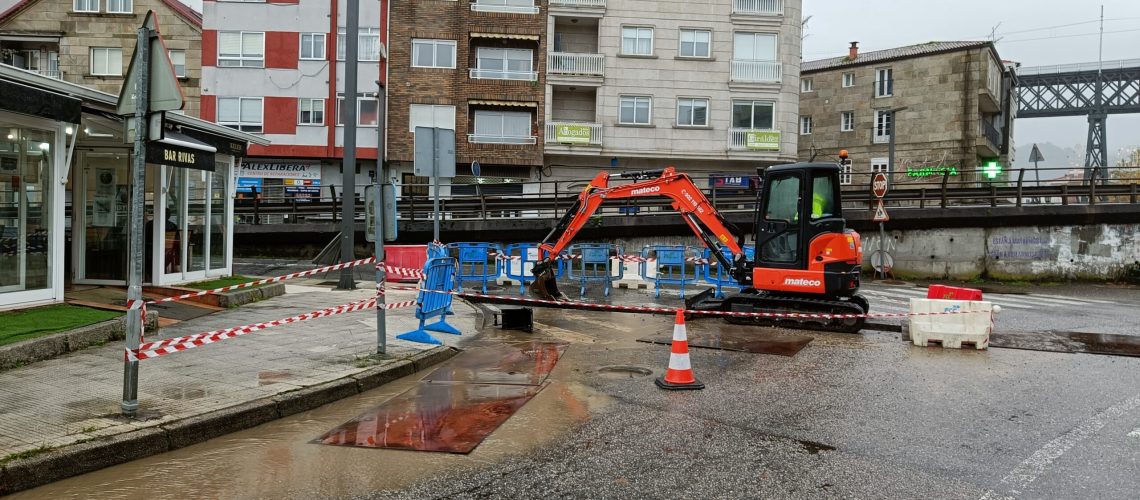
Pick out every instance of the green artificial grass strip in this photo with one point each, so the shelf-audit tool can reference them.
(16, 326)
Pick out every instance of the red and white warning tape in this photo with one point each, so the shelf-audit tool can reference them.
(310, 272)
(621, 258)
(404, 272)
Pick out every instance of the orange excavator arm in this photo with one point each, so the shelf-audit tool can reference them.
(687, 198)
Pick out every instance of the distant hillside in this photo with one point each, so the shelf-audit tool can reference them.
(1056, 157)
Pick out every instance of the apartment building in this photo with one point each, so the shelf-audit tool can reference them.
(91, 42)
(476, 67)
(708, 86)
(276, 68)
(949, 106)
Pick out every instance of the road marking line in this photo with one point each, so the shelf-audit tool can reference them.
(1095, 301)
(1034, 466)
(1134, 434)
(1033, 299)
(1003, 303)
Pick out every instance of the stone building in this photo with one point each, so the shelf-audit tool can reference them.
(948, 102)
(91, 42)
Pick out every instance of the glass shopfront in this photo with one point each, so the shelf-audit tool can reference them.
(29, 152)
(196, 218)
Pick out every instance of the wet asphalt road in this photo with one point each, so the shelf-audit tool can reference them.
(862, 416)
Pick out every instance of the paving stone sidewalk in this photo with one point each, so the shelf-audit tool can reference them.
(76, 397)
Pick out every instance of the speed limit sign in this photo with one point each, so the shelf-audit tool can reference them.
(879, 185)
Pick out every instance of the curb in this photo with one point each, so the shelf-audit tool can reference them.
(99, 453)
(57, 344)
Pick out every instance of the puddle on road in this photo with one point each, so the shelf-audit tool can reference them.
(1069, 342)
(623, 372)
(757, 342)
(527, 363)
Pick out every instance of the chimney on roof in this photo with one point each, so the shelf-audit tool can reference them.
(853, 52)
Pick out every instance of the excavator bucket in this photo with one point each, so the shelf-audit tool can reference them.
(545, 286)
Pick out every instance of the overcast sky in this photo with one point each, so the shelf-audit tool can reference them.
(1032, 32)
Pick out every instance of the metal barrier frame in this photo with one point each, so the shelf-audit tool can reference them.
(434, 299)
(465, 253)
(659, 263)
(578, 269)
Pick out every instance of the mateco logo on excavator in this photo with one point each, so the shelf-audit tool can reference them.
(645, 190)
(801, 282)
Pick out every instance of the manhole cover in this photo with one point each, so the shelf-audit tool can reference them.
(623, 372)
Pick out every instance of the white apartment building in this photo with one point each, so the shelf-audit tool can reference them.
(708, 86)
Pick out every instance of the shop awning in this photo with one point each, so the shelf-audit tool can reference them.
(27, 100)
(508, 36)
(490, 102)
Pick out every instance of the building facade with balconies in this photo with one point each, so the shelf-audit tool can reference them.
(277, 68)
(477, 67)
(709, 86)
(91, 42)
(951, 105)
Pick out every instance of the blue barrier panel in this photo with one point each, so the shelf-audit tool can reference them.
(478, 262)
(437, 250)
(523, 256)
(715, 275)
(670, 266)
(593, 263)
(434, 299)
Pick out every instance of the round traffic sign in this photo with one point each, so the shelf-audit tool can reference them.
(476, 169)
(879, 185)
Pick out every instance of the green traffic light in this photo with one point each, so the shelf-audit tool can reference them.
(992, 169)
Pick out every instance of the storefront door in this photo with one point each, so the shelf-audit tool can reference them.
(196, 219)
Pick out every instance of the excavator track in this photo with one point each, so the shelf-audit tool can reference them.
(752, 301)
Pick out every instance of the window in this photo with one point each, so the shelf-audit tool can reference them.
(884, 121)
(178, 60)
(692, 112)
(241, 49)
(847, 121)
(515, 6)
(783, 204)
(311, 112)
(845, 175)
(884, 82)
(637, 41)
(431, 115)
(367, 110)
(695, 43)
(502, 127)
(805, 125)
(880, 165)
(822, 197)
(504, 64)
(433, 54)
(241, 113)
(119, 6)
(86, 5)
(754, 115)
(106, 61)
(807, 85)
(635, 110)
(754, 47)
(368, 48)
(312, 46)
(848, 80)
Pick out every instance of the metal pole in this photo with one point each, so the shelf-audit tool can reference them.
(348, 166)
(435, 182)
(135, 263)
(882, 253)
(1037, 173)
(378, 214)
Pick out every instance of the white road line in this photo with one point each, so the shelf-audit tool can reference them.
(1134, 434)
(1033, 467)
(1003, 303)
(1034, 299)
(1094, 301)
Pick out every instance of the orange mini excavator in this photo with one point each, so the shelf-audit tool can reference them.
(807, 261)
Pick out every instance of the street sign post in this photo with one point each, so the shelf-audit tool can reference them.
(879, 186)
(1035, 156)
(435, 157)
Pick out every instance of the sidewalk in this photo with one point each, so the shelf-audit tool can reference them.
(70, 405)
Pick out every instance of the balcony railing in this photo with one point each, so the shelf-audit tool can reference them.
(755, 71)
(738, 139)
(578, 3)
(50, 73)
(583, 133)
(992, 134)
(565, 63)
(500, 74)
(758, 7)
(501, 139)
(510, 6)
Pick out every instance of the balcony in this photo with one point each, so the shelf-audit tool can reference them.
(989, 139)
(748, 139)
(502, 74)
(508, 6)
(572, 68)
(588, 4)
(501, 139)
(756, 71)
(758, 7)
(573, 133)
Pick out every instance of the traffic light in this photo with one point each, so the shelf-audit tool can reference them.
(992, 169)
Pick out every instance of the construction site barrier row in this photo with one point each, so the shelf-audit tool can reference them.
(310, 272)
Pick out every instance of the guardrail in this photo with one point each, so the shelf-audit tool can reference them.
(758, 7)
(575, 64)
(554, 198)
(756, 71)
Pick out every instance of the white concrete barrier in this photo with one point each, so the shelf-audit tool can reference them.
(973, 326)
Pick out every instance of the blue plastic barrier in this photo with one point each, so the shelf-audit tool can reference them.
(478, 262)
(519, 269)
(670, 265)
(434, 299)
(592, 263)
(715, 275)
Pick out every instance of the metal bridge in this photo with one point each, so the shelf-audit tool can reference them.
(1095, 90)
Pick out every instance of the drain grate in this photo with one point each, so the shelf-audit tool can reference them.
(620, 372)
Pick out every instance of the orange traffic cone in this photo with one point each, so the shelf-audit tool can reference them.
(679, 376)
